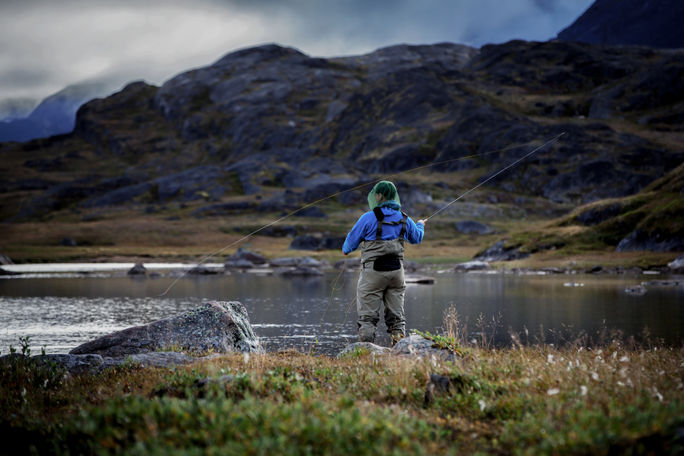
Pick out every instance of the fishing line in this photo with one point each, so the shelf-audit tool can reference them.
(290, 214)
(494, 175)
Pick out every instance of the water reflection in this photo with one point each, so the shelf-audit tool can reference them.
(309, 314)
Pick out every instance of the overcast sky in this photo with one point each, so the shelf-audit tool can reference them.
(46, 45)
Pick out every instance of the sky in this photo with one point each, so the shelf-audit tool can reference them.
(46, 45)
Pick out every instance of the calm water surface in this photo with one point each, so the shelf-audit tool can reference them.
(61, 311)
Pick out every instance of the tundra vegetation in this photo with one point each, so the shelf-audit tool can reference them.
(604, 396)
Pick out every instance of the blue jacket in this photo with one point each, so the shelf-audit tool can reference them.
(366, 227)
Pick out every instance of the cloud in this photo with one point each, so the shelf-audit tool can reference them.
(47, 45)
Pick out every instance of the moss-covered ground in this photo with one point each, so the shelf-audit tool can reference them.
(614, 398)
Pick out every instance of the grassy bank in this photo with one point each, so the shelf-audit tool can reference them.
(153, 239)
(522, 400)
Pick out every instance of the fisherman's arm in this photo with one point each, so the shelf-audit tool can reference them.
(355, 236)
(415, 231)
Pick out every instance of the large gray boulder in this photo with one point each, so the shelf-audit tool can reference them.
(75, 364)
(217, 326)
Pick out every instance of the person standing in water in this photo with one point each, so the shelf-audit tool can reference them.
(381, 233)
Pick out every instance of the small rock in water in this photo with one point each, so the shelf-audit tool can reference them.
(238, 264)
(245, 255)
(636, 290)
(300, 271)
(138, 269)
(663, 283)
(473, 266)
(202, 270)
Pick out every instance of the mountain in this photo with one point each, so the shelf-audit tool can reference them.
(54, 115)
(268, 129)
(654, 23)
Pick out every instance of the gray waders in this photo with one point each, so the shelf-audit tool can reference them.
(382, 282)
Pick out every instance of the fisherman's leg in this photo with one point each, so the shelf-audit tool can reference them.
(394, 305)
(369, 303)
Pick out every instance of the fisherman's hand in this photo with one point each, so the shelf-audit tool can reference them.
(422, 222)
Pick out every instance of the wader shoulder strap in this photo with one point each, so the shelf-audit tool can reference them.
(379, 216)
(403, 226)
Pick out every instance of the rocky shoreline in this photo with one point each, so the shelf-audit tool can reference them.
(208, 331)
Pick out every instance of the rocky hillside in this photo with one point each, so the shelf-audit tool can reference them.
(655, 23)
(268, 129)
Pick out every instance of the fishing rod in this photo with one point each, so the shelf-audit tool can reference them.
(429, 165)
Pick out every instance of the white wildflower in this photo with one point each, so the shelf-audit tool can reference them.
(569, 366)
(624, 359)
(245, 357)
(614, 355)
(594, 376)
(629, 382)
(526, 381)
(482, 405)
(600, 351)
(619, 383)
(583, 390)
(580, 349)
(662, 372)
(623, 372)
(658, 395)
(549, 359)
(553, 391)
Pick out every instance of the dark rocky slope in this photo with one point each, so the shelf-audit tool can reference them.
(269, 128)
(656, 23)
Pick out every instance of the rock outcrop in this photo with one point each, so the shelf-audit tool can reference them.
(499, 251)
(416, 345)
(215, 326)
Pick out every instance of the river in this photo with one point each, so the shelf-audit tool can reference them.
(62, 308)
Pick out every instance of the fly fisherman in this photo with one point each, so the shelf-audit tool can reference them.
(381, 233)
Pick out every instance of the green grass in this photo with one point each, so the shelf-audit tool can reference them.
(612, 399)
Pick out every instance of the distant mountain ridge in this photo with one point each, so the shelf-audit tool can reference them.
(54, 115)
(654, 23)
